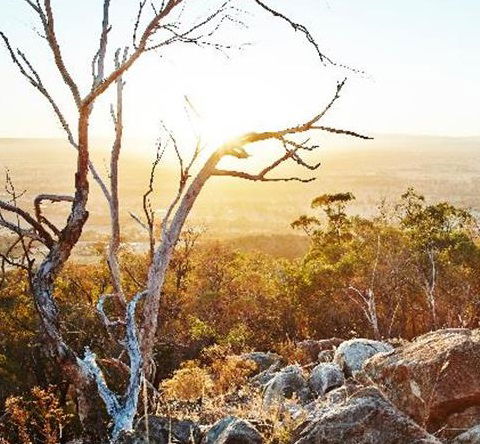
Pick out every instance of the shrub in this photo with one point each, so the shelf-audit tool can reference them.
(190, 383)
(36, 417)
(292, 353)
(231, 373)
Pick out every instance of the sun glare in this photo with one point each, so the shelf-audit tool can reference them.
(205, 199)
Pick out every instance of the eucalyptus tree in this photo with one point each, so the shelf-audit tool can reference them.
(157, 24)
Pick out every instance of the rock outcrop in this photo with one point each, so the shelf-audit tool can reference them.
(365, 418)
(232, 430)
(351, 355)
(471, 436)
(341, 394)
(426, 391)
(285, 384)
(311, 348)
(262, 379)
(325, 377)
(163, 431)
(262, 360)
(460, 422)
(432, 378)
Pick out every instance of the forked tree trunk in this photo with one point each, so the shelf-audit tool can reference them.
(43, 285)
(163, 256)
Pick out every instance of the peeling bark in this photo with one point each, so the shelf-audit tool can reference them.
(121, 409)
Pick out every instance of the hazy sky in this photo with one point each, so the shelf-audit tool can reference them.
(421, 57)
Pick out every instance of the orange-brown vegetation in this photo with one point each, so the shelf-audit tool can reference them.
(416, 263)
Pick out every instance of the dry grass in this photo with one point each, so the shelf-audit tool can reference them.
(208, 394)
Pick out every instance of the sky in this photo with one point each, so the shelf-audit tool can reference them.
(420, 58)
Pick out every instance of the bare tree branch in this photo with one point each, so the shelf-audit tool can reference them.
(297, 27)
(138, 220)
(98, 63)
(48, 22)
(25, 239)
(259, 177)
(113, 200)
(329, 129)
(302, 29)
(38, 210)
(137, 22)
(21, 232)
(41, 234)
(146, 202)
(35, 80)
(221, 13)
(149, 31)
(184, 176)
(101, 311)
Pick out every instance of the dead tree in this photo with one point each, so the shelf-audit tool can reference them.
(157, 26)
(161, 29)
(430, 284)
(365, 299)
(178, 212)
